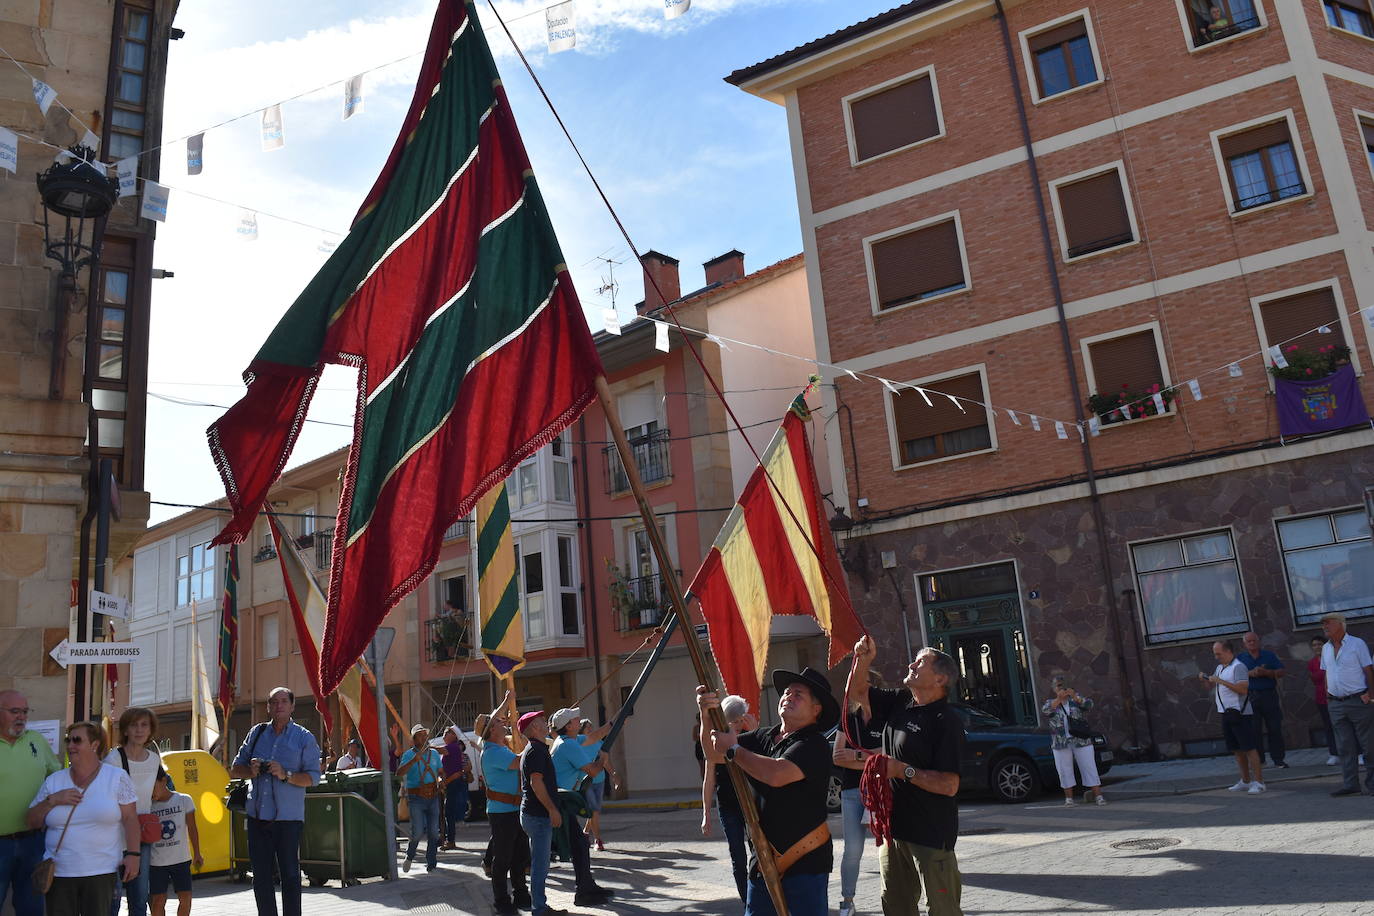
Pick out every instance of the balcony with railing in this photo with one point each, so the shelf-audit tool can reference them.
(324, 548)
(448, 638)
(458, 530)
(651, 458)
(639, 603)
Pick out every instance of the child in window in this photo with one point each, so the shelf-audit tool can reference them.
(179, 847)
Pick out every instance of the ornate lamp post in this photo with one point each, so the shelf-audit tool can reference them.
(77, 190)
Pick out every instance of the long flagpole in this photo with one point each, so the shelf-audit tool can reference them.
(762, 848)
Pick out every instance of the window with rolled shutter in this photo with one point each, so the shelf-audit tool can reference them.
(1063, 58)
(1261, 165)
(1094, 214)
(1350, 15)
(918, 264)
(940, 430)
(1130, 362)
(1367, 130)
(1294, 320)
(893, 118)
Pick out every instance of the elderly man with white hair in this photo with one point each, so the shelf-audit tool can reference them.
(716, 785)
(1349, 693)
(26, 760)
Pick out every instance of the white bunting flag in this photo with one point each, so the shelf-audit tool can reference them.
(1060, 431)
(611, 321)
(1234, 370)
(1276, 354)
(248, 226)
(155, 198)
(273, 128)
(922, 392)
(44, 95)
(889, 386)
(850, 373)
(661, 337)
(1014, 418)
(1160, 406)
(1079, 427)
(195, 154)
(127, 172)
(1095, 425)
(1196, 389)
(718, 342)
(1323, 330)
(562, 29)
(955, 401)
(1035, 423)
(91, 141)
(353, 96)
(675, 8)
(1121, 414)
(9, 151)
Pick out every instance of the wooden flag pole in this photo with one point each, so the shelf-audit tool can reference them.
(743, 791)
(517, 740)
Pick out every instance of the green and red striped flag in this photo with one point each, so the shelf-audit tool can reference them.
(451, 297)
(229, 632)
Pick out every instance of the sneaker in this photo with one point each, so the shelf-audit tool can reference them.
(1332, 760)
(429, 869)
(1282, 764)
(405, 866)
(600, 846)
(847, 908)
(1101, 800)
(1256, 788)
(1241, 786)
(1069, 803)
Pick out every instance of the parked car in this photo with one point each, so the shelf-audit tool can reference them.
(1012, 762)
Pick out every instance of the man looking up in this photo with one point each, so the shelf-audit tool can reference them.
(923, 739)
(26, 760)
(788, 766)
(570, 761)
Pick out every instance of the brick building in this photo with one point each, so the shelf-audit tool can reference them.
(107, 63)
(1029, 204)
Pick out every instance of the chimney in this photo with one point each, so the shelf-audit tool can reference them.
(661, 270)
(725, 267)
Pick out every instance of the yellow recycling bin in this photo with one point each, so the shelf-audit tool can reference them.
(202, 777)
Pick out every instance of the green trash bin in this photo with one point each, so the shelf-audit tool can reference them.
(238, 836)
(344, 837)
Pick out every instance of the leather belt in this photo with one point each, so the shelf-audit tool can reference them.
(17, 836)
(809, 843)
(503, 797)
(1348, 696)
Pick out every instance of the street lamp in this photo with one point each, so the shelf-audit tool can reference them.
(76, 189)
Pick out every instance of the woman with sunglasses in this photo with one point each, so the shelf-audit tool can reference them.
(92, 831)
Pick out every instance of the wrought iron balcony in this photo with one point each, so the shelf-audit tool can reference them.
(324, 548)
(651, 457)
(448, 638)
(639, 603)
(457, 530)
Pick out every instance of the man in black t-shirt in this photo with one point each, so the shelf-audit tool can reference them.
(788, 766)
(924, 740)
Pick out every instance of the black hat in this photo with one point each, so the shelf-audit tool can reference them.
(816, 682)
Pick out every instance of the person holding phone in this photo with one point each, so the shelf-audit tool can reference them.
(1230, 685)
(92, 832)
(1068, 748)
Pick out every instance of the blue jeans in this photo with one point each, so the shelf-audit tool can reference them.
(732, 823)
(18, 858)
(275, 844)
(137, 890)
(455, 808)
(424, 819)
(540, 832)
(855, 835)
(805, 896)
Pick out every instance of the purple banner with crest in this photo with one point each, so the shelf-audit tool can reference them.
(1320, 405)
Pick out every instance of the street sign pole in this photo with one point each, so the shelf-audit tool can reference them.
(376, 659)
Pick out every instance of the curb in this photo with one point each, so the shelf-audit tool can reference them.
(651, 805)
(1193, 790)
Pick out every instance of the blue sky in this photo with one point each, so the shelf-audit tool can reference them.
(694, 166)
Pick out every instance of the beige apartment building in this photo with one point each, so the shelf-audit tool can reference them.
(61, 386)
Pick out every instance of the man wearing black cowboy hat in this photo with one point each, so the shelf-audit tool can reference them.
(789, 768)
(923, 741)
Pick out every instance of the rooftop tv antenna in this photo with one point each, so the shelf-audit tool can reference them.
(609, 286)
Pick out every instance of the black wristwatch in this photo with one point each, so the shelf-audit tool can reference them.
(128, 853)
(730, 753)
(909, 774)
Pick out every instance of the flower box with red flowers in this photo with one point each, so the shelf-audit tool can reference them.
(1306, 364)
(1127, 404)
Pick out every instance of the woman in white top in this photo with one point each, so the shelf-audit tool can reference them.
(136, 756)
(91, 828)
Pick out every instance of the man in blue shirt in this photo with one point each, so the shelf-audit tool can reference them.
(570, 760)
(510, 848)
(422, 769)
(1265, 670)
(281, 759)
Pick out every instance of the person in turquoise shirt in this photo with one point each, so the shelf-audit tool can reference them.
(510, 848)
(570, 761)
(26, 759)
(596, 792)
(423, 769)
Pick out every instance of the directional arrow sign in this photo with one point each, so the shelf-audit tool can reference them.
(95, 653)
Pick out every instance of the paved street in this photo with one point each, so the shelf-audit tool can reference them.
(1292, 850)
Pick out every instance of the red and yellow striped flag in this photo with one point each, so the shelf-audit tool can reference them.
(761, 564)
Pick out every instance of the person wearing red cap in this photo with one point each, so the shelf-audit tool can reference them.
(788, 766)
(539, 813)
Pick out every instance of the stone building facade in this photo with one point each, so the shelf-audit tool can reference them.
(1033, 207)
(107, 62)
